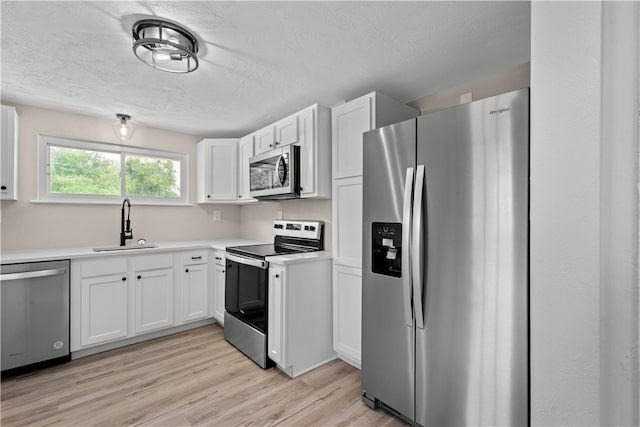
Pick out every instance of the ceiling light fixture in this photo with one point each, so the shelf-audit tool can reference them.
(123, 129)
(165, 46)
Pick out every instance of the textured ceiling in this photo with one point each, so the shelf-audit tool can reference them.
(259, 61)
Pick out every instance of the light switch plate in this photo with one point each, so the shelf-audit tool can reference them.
(216, 215)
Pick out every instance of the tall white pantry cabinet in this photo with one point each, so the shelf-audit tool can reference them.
(349, 121)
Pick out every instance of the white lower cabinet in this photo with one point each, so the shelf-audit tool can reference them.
(276, 316)
(347, 313)
(104, 307)
(299, 335)
(153, 300)
(195, 286)
(119, 298)
(217, 302)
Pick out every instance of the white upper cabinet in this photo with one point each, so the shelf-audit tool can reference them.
(315, 152)
(245, 152)
(217, 170)
(351, 119)
(223, 164)
(286, 131)
(348, 122)
(281, 133)
(9, 154)
(310, 129)
(264, 139)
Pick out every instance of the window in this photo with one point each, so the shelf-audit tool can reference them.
(81, 171)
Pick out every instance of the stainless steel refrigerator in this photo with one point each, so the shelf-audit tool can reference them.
(445, 320)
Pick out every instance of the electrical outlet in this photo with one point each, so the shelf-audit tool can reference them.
(216, 215)
(279, 215)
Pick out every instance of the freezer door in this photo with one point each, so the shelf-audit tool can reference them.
(472, 355)
(387, 326)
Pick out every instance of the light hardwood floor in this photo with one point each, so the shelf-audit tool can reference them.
(187, 379)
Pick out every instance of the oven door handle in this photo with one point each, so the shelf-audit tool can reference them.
(248, 261)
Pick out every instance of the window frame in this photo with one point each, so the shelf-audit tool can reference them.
(44, 181)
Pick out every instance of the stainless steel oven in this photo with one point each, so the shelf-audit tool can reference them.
(275, 174)
(247, 284)
(245, 317)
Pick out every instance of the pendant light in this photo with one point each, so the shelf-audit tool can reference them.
(122, 129)
(165, 46)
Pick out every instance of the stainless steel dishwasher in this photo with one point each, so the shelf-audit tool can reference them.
(35, 315)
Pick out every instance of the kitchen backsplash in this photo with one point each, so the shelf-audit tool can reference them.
(256, 220)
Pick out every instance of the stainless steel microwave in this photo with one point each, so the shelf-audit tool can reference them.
(275, 174)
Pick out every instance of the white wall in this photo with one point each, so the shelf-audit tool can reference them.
(619, 393)
(28, 225)
(35, 225)
(257, 219)
(584, 312)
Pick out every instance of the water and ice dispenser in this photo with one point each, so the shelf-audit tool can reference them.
(386, 248)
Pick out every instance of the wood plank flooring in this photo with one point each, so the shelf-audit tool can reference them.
(188, 379)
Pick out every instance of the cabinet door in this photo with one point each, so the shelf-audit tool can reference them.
(194, 292)
(8, 153)
(286, 131)
(103, 308)
(154, 299)
(245, 152)
(265, 139)
(347, 312)
(347, 223)
(217, 170)
(348, 122)
(218, 304)
(276, 336)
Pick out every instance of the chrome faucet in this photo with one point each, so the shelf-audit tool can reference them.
(125, 226)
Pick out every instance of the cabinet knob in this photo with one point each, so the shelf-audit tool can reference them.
(277, 276)
(224, 271)
(4, 187)
(124, 279)
(139, 277)
(186, 270)
(208, 196)
(271, 145)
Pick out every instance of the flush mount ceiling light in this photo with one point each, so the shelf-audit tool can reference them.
(165, 46)
(123, 129)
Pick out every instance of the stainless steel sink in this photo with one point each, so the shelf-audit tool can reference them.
(124, 248)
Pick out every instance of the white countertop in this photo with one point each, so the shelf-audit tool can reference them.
(33, 255)
(52, 254)
(303, 257)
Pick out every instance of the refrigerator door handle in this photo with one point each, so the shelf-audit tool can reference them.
(406, 244)
(417, 245)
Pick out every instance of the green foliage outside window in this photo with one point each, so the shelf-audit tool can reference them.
(85, 172)
(149, 177)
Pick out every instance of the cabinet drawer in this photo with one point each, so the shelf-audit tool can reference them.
(103, 267)
(219, 258)
(196, 257)
(153, 262)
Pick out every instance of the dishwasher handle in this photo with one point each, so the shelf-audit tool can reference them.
(33, 274)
